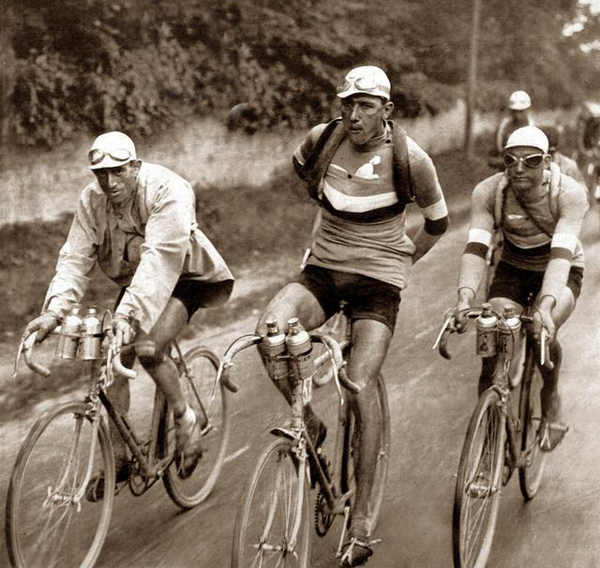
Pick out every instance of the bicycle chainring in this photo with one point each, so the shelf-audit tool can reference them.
(323, 520)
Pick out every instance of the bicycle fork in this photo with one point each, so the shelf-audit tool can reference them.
(62, 494)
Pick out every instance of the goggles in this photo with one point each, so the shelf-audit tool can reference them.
(96, 155)
(531, 161)
(364, 84)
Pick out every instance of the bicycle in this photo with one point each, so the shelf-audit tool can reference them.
(49, 521)
(499, 439)
(272, 522)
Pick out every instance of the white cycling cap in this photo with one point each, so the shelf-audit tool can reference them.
(530, 136)
(519, 100)
(111, 150)
(368, 80)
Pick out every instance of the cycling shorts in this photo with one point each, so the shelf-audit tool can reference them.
(523, 286)
(195, 295)
(365, 297)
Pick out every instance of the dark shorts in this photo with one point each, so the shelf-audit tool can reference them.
(523, 286)
(365, 297)
(195, 295)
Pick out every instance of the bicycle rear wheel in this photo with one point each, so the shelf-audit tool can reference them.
(197, 388)
(530, 413)
(478, 484)
(272, 527)
(48, 520)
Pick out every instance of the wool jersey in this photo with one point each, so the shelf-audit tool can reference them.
(362, 229)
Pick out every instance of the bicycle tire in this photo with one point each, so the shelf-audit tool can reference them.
(56, 533)
(530, 414)
(260, 524)
(190, 492)
(479, 481)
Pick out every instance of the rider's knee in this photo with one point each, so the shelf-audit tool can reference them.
(148, 353)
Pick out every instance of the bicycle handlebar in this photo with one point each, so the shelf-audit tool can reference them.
(441, 342)
(334, 351)
(113, 362)
(226, 363)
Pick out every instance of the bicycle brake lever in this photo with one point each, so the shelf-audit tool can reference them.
(441, 333)
(18, 358)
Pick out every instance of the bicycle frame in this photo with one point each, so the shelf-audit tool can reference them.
(144, 452)
(501, 383)
(330, 484)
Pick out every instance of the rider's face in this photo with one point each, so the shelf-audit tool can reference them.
(522, 177)
(363, 117)
(118, 184)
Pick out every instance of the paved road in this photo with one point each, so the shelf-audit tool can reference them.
(430, 402)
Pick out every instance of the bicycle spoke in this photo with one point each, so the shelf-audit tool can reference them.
(478, 484)
(48, 524)
(267, 533)
(197, 383)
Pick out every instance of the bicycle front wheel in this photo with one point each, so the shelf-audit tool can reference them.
(272, 527)
(198, 386)
(478, 484)
(48, 520)
(530, 413)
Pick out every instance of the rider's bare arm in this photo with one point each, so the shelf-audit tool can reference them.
(481, 227)
(430, 198)
(572, 204)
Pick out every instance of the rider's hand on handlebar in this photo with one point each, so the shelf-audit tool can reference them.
(124, 331)
(42, 326)
(459, 315)
(542, 318)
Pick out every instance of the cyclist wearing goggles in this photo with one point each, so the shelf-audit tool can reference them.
(361, 252)
(540, 212)
(519, 108)
(137, 221)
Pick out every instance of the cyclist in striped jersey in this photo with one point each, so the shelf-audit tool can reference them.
(540, 212)
(362, 170)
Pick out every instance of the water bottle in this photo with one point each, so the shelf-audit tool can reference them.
(486, 324)
(299, 346)
(273, 346)
(69, 339)
(91, 339)
(509, 328)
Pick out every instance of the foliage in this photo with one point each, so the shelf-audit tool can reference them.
(135, 65)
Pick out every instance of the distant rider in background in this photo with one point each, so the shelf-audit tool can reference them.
(519, 108)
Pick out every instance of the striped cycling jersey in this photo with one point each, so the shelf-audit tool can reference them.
(363, 226)
(526, 245)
